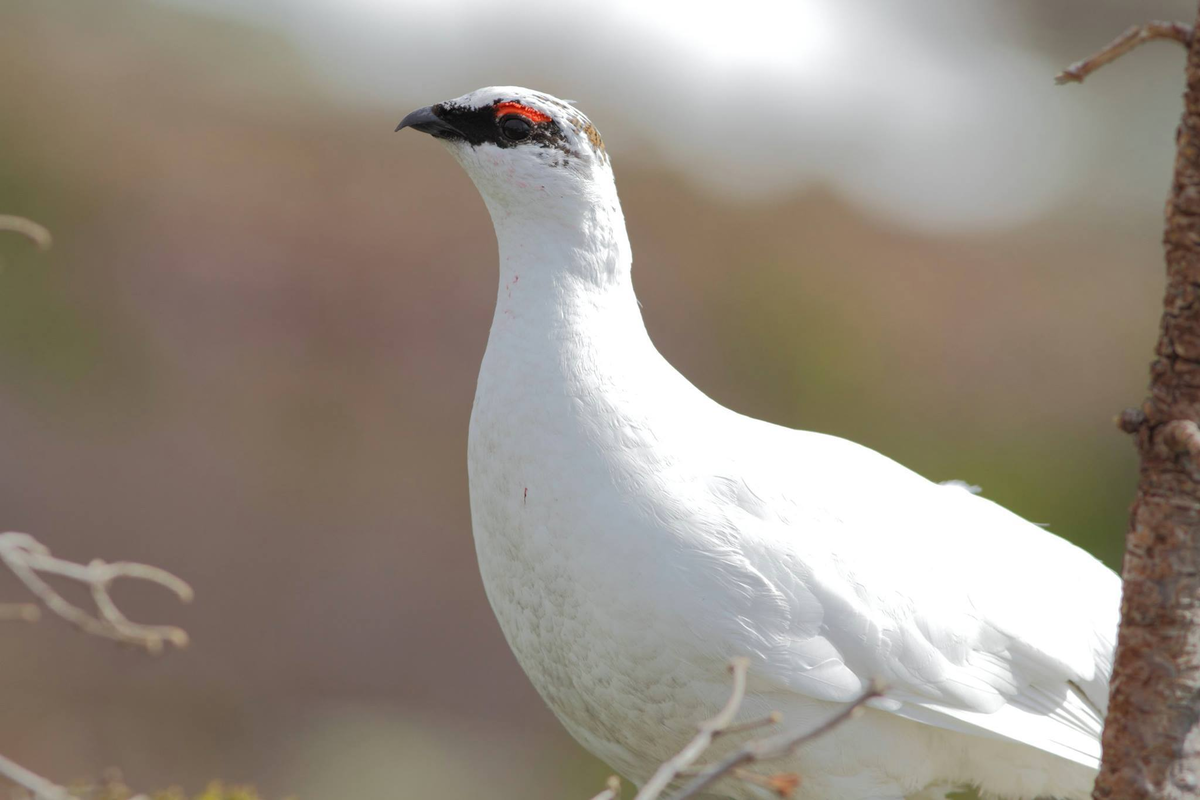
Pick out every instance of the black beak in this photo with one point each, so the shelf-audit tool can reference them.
(426, 120)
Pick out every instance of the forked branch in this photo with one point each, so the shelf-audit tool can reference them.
(29, 560)
(779, 745)
(776, 746)
(1135, 36)
(709, 730)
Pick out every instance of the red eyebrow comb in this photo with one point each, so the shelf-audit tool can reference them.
(531, 114)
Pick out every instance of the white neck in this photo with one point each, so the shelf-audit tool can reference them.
(563, 256)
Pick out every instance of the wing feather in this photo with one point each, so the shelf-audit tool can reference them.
(978, 620)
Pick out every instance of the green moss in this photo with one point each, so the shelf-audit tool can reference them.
(115, 788)
(214, 791)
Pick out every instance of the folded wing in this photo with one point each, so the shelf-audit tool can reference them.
(977, 620)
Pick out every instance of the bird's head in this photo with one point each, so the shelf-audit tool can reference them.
(521, 148)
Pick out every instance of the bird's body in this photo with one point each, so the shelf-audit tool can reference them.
(633, 535)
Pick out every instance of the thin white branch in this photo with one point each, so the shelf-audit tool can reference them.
(28, 559)
(612, 791)
(27, 228)
(35, 784)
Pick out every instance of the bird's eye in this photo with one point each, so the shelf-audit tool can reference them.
(515, 127)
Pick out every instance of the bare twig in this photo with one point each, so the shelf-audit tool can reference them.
(28, 559)
(35, 787)
(1135, 36)
(35, 784)
(709, 729)
(28, 228)
(612, 791)
(780, 745)
(774, 718)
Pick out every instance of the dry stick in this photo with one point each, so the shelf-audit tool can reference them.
(35, 784)
(774, 718)
(28, 228)
(42, 789)
(28, 559)
(613, 790)
(777, 746)
(772, 747)
(1137, 35)
(709, 730)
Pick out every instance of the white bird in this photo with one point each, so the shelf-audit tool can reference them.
(633, 535)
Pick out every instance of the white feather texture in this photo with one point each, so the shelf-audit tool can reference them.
(633, 535)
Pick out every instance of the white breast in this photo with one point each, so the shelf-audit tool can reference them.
(568, 554)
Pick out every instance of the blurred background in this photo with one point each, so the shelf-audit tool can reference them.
(250, 355)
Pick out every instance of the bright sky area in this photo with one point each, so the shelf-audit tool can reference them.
(936, 115)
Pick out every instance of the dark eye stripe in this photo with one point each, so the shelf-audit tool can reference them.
(490, 125)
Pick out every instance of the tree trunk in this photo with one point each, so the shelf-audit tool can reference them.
(1152, 736)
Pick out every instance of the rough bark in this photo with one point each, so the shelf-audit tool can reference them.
(1152, 736)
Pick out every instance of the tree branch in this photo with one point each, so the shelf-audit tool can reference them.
(612, 791)
(780, 745)
(35, 784)
(28, 559)
(709, 730)
(27, 228)
(1134, 37)
(1154, 702)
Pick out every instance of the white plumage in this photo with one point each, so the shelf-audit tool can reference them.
(633, 535)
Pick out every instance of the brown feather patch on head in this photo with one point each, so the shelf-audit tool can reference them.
(594, 137)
